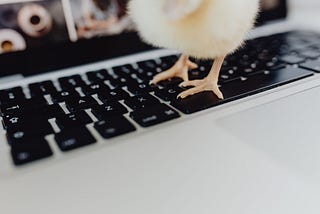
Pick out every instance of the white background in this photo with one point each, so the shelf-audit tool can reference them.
(305, 11)
(303, 3)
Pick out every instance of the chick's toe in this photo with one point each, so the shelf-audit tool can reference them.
(180, 69)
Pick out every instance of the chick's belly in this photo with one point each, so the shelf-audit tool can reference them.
(209, 49)
(201, 37)
(197, 40)
(197, 43)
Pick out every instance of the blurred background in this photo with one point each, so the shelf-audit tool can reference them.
(308, 12)
(312, 5)
(305, 3)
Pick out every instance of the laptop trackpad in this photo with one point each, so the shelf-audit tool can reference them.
(287, 130)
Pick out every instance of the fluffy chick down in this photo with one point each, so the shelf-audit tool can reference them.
(215, 29)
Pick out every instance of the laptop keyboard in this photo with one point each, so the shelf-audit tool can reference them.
(117, 100)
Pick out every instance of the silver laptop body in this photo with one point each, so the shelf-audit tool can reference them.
(258, 154)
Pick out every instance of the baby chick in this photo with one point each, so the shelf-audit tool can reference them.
(204, 29)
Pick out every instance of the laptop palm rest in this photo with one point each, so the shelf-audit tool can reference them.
(286, 130)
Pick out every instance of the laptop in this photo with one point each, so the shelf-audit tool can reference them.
(84, 132)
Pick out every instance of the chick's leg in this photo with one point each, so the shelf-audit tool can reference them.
(180, 69)
(210, 83)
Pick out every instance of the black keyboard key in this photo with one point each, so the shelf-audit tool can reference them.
(22, 120)
(95, 88)
(43, 111)
(263, 56)
(34, 102)
(116, 94)
(197, 102)
(233, 73)
(75, 119)
(32, 114)
(312, 54)
(23, 105)
(155, 115)
(10, 107)
(42, 88)
(148, 69)
(298, 44)
(124, 70)
(164, 66)
(150, 65)
(203, 65)
(61, 96)
(275, 65)
(48, 87)
(118, 81)
(312, 65)
(239, 89)
(197, 74)
(98, 76)
(109, 109)
(11, 95)
(71, 82)
(81, 103)
(168, 94)
(131, 82)
(74, 138)
(140, 88)
(170, 59)
(114, 127)
(292, 59)
(36, 90)
(27, 131)
(171, 82)
(141, 101)
(52, 111)
(11, 120)
(29, 151)
(145, 75)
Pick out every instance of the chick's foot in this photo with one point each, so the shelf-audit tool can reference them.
(210, 83)
(180, 69)
(206, 84)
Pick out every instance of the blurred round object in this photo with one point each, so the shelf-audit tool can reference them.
(11, 40)
(35, 20)
(8, 17)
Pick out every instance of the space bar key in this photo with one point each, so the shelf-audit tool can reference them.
(239, 89)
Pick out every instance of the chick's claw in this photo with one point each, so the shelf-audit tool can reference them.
(191, 83)
(169, 74)
(200, 86)
(192, 65)
(180, 69)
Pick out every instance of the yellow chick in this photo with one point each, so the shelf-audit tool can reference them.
(204, 29)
